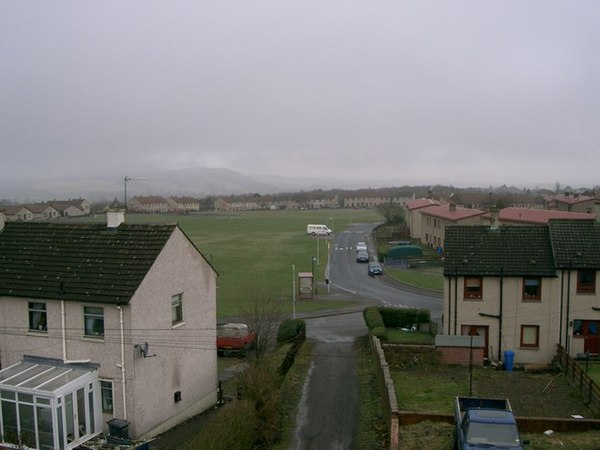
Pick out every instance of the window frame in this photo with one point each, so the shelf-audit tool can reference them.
(527, 297)
(472, 295)
(523, 344)
(177, 309)
(41, 325)
(586, 288)
(96, 317)
(107, 395)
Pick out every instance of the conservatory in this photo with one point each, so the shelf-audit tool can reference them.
(46, 404)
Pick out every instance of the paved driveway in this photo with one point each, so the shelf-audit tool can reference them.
(328, 412)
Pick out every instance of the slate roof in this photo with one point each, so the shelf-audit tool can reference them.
(79, 262)
(576, 243)
(481, 251)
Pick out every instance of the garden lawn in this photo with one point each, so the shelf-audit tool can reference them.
(433, 280)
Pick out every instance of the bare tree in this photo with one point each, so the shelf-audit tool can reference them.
(264, 316)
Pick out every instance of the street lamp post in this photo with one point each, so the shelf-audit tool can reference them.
(313, 274)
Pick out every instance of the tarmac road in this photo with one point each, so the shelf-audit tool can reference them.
(327, 417)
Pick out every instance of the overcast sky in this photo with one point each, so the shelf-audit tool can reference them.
(425, 92)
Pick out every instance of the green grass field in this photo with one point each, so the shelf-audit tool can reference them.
(254, 251)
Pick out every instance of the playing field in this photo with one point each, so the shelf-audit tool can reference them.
(255, 252)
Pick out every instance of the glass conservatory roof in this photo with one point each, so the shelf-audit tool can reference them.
(41, 377)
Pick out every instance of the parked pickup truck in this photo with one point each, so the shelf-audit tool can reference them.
(485, 423)
(234, 338)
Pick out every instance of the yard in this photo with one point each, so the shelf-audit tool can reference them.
(425, 385)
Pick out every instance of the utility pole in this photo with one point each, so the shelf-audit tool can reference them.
(125, 181)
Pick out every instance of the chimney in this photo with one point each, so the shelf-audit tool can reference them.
(452, 206)
(597, 211)
(115, 217)
(2, 220)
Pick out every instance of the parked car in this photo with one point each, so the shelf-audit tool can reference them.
(375, 269)
(234, 338)
(362, 256)
(361, 246)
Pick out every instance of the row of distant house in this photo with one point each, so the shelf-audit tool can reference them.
(427, 219)
(47, 210)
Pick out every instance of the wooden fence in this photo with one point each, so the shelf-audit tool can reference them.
(588, 388)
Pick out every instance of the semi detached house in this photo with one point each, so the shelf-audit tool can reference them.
(102, 325)
(525, 289)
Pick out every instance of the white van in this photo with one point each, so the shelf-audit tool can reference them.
(318, 230)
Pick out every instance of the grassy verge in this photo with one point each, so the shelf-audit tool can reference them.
(433, 281)
(372, 429)
(395, 336)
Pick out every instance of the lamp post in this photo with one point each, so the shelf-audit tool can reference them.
(313, 274)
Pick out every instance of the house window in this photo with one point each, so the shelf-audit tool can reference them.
(530, 336)
(532, 288)
(93, 321)
(473, 288)
(177, 309)
(38, 317)
(586, 281)
(106, 391)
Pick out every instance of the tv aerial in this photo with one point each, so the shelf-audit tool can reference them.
(125, 181)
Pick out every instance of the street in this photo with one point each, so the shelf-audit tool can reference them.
(327, 416)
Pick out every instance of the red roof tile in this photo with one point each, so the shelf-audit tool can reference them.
(447, 213)
(541, 216)
(420, 203)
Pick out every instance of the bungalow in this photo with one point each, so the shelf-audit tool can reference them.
(42, 211)
(71, 208)
(103, 324)
(524, 288)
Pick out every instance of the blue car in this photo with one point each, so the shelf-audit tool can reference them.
(375, 269)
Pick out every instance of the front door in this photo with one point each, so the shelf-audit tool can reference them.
(477, 330)
(589, 330)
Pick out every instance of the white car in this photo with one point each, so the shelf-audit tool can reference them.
(361, 247)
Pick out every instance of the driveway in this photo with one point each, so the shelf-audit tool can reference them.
(327, 417)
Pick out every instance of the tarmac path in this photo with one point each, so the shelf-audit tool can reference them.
(327, 416)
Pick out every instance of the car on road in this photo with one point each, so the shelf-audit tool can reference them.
(361, 246)
(375, 269)
(362, 256)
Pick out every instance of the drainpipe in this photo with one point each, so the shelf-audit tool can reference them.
(567, 343)
(449, 302)
(455, 302)
(63, 322)
(122, 365)
(562, 297)
(500, 314)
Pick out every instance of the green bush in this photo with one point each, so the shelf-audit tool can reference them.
(404, 317)
(373, 318)
(289, 329)
(380, 332)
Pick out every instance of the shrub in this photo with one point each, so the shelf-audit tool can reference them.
(373, 318)
(380, 332)
(289, 329)
(404, 317)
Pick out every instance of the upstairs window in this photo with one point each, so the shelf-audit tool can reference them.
(38, 319)
(586, 281)
(532, 288)
(177, 309)
(473, 288)
(93, 319)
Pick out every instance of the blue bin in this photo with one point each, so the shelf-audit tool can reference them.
(509, 357)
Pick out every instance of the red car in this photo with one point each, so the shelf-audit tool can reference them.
(234, 338)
